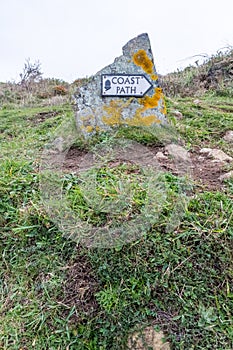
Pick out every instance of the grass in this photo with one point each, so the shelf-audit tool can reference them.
(213, 75)
(57, 294)
(204, 122)
(24, 130)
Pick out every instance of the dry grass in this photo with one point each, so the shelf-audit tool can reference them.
(215, 75)
(43, 92)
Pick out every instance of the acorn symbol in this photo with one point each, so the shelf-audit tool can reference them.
(107, 85)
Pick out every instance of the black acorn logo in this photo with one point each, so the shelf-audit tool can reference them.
(107, 85)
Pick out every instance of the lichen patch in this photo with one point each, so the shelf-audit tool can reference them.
(141, 59)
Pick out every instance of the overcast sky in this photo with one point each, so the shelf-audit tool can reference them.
(76, 38)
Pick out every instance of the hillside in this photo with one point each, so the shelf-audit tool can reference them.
(169, 288)
(214, 76)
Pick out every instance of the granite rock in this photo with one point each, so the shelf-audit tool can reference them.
(180, 157)
(96, 113)
(228, 136)
(226, 176)
(177, 152)
(216, 154)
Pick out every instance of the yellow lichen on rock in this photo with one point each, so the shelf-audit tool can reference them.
(141, 59)
(114, 112)
(152, 101)
(154, 76)
(89, 128)
(87, 118)
(163, 110)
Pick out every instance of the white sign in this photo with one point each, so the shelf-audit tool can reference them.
(125, 85)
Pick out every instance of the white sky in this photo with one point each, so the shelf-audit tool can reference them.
(76, 38)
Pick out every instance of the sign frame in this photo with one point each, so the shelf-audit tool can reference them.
(125, 75)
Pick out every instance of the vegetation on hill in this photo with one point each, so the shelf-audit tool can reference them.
(57, 293)
(214, 76)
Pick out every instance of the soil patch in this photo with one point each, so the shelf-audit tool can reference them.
(79, 288)
(73, 159)
(204, 171)
(42, 116)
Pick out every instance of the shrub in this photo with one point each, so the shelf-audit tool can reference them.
(60, 90)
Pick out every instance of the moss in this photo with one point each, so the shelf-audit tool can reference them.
(141, 59)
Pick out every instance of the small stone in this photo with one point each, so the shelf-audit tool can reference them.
(148, 338)
(228, 136)
(197, 102)
(218, 161)
(181, 158)
(58, 144)
(161, 156)
(226, 176)
(178, 114)
(205, 150)
(216, 154)
(177, 152)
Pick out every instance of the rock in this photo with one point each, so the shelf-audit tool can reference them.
(205, 150)
(177, 152)
(160, 156)
(148, 338)
(216, 154)
(178, 114)
(226, 176)
(228, 136)
(218, 161)
(181, 158)
(58, 144)
(197, 102)
(97, 113)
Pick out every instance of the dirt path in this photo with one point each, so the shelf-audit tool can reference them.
(204, 171)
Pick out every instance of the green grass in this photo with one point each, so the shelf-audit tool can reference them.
(24, 133)
(55, 294)
(205, 122)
